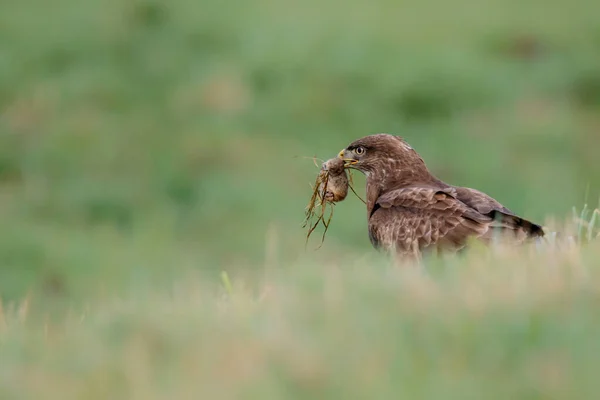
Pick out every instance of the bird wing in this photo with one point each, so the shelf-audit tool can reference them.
(503, 217)
(479, 201)
(416, 217)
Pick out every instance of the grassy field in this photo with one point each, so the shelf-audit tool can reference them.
(518, 325)
(147, 146)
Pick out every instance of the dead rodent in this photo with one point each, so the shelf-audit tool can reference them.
(334, 180)
(331, 186)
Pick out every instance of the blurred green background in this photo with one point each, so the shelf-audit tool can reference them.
(141, 137)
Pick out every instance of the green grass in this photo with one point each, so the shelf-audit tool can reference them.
(151, 145)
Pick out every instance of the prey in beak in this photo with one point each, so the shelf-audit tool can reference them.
(347, 161)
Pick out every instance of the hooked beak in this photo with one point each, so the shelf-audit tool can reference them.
(347, 161)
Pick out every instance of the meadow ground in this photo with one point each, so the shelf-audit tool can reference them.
(517, 324)
(147, 146)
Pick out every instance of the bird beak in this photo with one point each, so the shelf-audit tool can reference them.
(347, 161)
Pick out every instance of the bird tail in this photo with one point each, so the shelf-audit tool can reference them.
(517, 223)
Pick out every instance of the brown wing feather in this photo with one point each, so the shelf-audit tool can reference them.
(479, 201)
(418, 217)
(503, 217)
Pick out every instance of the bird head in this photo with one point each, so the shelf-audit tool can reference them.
(379, 152)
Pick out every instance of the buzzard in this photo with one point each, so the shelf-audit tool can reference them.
(411, 211)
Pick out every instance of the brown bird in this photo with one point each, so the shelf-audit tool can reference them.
(411, 211)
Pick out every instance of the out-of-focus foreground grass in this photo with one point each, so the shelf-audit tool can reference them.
(515, 325)
(144, 142)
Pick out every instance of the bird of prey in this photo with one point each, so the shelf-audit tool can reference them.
(411, 211)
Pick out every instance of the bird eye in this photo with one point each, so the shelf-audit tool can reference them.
(359, 150)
